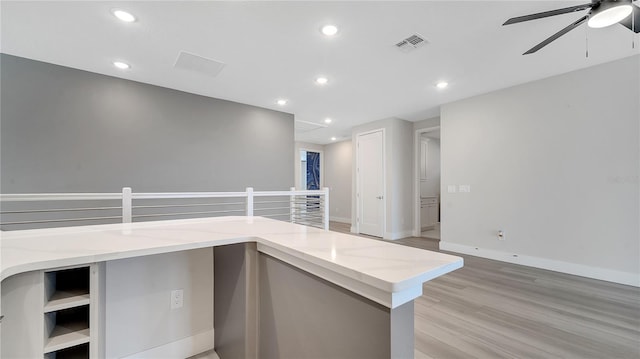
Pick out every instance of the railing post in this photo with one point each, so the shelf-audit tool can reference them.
(250, 201)
(326, 208)
(292, 205)
(126, 205)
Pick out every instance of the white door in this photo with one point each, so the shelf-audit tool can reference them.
(370, 177)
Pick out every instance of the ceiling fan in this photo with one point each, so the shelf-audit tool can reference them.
(602, 13)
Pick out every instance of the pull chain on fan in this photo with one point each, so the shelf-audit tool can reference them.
(586, 42)
(633, 29)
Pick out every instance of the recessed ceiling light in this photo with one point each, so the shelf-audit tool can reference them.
(329, 30)
(327, 120)
(121, 65)
(281, 102)
(442, 84)
(123, 15)
(321, 80)
(333, 138)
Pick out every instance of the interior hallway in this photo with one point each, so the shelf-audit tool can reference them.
(491, 309)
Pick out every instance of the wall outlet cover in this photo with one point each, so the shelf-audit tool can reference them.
(177, 298)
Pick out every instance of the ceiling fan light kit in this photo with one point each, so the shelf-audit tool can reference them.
(609, 13)
(602, 13)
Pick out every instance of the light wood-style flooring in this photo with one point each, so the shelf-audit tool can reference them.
(491, 309)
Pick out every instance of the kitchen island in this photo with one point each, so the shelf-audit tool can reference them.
(248, 287)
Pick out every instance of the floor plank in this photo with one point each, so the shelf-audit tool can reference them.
(491, 309)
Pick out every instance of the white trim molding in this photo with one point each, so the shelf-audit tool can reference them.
(183, 348)
(582, 270)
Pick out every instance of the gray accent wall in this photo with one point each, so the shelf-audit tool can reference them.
(67, 130)
(555, 164)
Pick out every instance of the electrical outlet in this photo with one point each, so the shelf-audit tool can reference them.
(177, 298)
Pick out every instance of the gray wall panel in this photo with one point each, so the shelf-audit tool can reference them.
(235, 297)
(302, 316)
(66, 130)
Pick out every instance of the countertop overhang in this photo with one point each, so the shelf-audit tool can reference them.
(387, 273)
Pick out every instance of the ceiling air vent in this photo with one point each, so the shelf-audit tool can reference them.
(306, 126)
(199, 64)
(411, 43)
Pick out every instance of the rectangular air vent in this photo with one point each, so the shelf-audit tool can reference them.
(411, 43)
(306, 126)
(198, 64)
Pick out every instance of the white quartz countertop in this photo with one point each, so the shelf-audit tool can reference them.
(363, 265)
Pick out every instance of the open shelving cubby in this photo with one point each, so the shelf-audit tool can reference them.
(67, 313)
(78, 352)
(66, 288)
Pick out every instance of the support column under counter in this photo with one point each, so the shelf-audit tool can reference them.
(266, 308)
(304, 316)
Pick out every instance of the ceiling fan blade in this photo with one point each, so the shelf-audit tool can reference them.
(557, 35)
(636, 22)
(541, 15)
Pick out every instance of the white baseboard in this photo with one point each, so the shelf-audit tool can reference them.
(582, 270)
(398, 235)
(340, 219)
(183, 348)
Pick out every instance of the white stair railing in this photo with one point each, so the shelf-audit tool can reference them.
(303, 207)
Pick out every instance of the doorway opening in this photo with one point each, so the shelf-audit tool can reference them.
(427, 183)
(310, 170)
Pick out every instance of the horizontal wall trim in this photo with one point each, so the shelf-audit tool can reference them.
(582, 270)
(183, 348)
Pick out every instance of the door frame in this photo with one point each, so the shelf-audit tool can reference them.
(384, 180)
(416, 178)
(299, 168)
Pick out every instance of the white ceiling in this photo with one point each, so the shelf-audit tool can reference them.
(275, 49)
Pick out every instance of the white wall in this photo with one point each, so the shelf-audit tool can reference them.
(399, 167)
(338, 170)
(555, 164)
(428, 123)
(138, 314)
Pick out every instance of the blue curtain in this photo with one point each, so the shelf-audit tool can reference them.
(313, 170)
